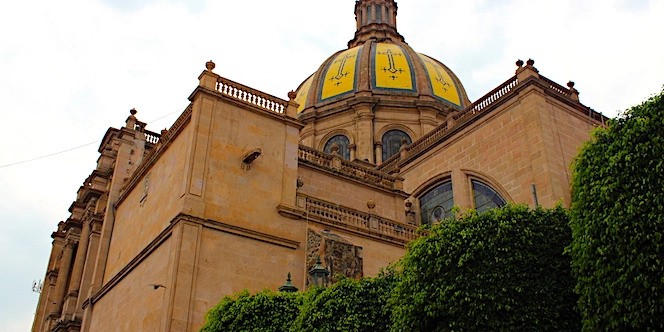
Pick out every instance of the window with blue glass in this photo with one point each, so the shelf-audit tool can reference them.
(342, 142)
(437, 203)
(392, 141)
(485, 197)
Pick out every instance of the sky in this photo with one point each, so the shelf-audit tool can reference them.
(71, 69)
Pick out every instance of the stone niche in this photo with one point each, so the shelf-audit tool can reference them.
(337, 254)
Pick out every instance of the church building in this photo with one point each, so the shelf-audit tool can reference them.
(245, 188)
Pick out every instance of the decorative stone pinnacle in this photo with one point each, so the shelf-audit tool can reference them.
(133, 111)
(210, 65)
(570, 85)
(530, 62)
(519, 63)
(292, 95)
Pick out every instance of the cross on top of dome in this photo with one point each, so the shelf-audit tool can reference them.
(376, 19)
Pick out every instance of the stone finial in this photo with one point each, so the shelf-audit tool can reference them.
(210, 65)
(164, 132)
(522, 73)
(573, 93)
(208, 79)
(131, 120)
(293, 106)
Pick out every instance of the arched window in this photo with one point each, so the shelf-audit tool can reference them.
(392, 141)
(379, 13)
(485, 197)
(437, 203)
(342, 142)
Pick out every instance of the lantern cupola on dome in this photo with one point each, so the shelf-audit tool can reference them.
(376, 19)
(380, 79)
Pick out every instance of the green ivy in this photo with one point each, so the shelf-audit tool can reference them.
(350, 306)
(265, 312)
(618, 222)
(503, 269)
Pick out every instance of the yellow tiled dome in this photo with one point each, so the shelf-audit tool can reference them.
(384, 69)
(380, 62)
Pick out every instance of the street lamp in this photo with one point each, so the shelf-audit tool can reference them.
(288, 287)
(319, 275)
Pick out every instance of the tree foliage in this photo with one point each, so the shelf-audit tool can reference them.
(266, 312)
(499, 270)
(350, 305)
(618, 222)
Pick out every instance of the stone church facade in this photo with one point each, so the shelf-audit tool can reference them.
(245, 187)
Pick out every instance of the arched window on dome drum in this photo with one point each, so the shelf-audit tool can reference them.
(437, 203)
(342, 142)
(392, 142)
(485, 197)
(379, 13)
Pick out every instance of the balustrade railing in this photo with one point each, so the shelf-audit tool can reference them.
(354, 219)
(314, 156)
(346, 167)
(251, 96)
(151, 137)
(488, 99)
(556, 87)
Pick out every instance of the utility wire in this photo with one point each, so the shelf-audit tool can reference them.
(71, 149)
(48, 155)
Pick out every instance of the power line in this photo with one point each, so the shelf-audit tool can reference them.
(48, 155)
(71, 149)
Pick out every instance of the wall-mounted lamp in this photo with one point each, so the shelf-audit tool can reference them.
(250, 157)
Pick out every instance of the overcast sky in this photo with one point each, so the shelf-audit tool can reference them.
(71, 69)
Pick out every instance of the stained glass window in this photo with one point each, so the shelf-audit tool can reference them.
(343, 143)
(485, 197)
(437, 203)
(392, 142)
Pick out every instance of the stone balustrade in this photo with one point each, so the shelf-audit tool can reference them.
(350, 169)
(251, 96)
(356, 220)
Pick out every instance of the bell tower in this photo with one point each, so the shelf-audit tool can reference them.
(376, 19)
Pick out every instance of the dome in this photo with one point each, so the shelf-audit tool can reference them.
(378, 63)
(384, 68)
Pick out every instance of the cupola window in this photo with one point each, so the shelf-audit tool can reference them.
(437, 203)
(342, 142)
(392, 141)
(485, 197)
(379, 13)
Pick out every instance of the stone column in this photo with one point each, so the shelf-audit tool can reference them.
(77, 272)
(379, 152)
(63, 276)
